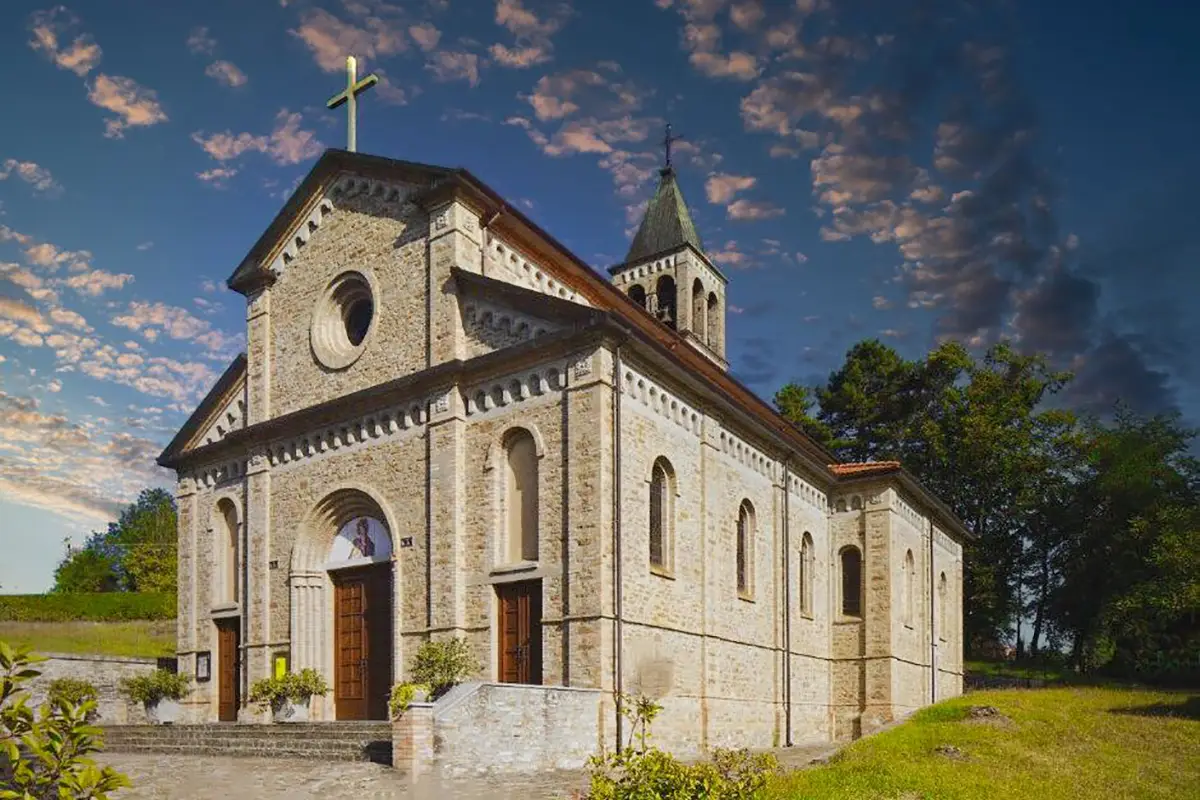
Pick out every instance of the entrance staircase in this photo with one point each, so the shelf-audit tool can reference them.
(325, 741)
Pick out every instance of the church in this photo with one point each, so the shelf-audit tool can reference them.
(446, 424)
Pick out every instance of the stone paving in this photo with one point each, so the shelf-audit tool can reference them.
(186, 777)
(179, 777)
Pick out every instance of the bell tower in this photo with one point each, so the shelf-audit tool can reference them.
(668, 273)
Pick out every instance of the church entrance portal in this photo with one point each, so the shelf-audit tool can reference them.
(362, 622)
(520, 632)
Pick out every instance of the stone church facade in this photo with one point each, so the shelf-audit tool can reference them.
(445, 424)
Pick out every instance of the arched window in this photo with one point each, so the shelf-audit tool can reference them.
(662, 514)
(908, 601)
(521, 496)
(665, 290)
(851, 582)
(943, 609)
(806, 575)
(698, 310)
(745, 548)
(714, 322)
(227, 551)
(638, 295)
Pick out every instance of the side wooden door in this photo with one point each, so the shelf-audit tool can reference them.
(521, 632)
(229, 661)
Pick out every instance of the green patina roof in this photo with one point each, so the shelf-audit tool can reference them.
(667, 223)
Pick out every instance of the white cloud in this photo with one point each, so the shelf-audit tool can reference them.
(225, 72)
(95, 282)
(80, 57)
(200, 43)
(370, 36)
(721, 187)
(134, 105)
(451, 65)
(287, 143)
(743, 209)
(426, 35)
(35, 175)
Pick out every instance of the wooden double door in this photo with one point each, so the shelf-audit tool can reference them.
(229, 668)
(362, 629)
(520, 632)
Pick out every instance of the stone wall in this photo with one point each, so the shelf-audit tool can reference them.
(103, 672)
(484, 728)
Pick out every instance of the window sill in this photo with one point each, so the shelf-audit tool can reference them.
(519, 566)
(807, 615)
(847, 619)
(662, 572)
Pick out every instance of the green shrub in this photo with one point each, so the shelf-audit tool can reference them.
(46, 754)
(294, 686)
(442, 665)
(403, 695)
(154, 686)
(72, 690)
(87, 607)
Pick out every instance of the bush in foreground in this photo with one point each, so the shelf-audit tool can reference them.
(44, 755)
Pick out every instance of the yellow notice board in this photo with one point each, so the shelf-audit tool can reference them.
(281, 664)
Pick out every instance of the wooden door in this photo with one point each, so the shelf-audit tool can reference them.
(363, 636)
(229, 662)
(520, 632)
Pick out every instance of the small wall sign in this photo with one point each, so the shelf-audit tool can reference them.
(281, 665)
(203, 666)
(406, 541)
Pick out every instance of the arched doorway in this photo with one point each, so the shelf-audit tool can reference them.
(342, 604)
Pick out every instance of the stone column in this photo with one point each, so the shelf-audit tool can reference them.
(258, 357)
(185, 617)
(412, 740)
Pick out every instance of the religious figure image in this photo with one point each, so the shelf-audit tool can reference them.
(362, 539)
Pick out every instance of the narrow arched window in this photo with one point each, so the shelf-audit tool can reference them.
(908, 601)
(662, 514)
(521, 497)
(943, 609)
(227, 550)
(851, 582)
(638, 295)
(714, 322)
(665, 293)
(698, 310)
(745, 548)
(806, 575)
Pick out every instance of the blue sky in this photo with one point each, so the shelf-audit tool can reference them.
(946, 169)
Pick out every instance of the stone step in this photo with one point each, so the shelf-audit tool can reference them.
(359, 741)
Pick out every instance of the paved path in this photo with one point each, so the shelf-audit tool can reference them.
(178, 777)
(173, 777)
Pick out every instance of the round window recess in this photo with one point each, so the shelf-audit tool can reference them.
(342, 320)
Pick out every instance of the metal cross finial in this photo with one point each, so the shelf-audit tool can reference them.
(667, 141)
(349, 96)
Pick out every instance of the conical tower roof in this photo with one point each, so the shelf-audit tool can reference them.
(667, 224)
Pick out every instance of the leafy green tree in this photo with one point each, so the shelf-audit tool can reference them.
(138, 552)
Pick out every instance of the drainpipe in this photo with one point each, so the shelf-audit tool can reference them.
(932, 616)
(616, 510)
(787, 612)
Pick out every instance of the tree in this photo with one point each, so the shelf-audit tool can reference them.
(138, 552)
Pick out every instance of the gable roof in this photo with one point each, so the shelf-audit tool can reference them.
(212, 402)
(667, 223)
(444, 185)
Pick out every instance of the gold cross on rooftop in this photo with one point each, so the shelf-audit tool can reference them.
(349, 96)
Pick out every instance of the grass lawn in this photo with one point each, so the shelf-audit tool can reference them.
(135, 638)
(1073, 743)
(1017, 669)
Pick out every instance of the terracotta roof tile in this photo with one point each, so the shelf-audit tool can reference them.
(863, 468)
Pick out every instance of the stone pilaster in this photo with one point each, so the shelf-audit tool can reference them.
(878, 612)
(447, 498)
(258, 357)
(454, 241)
(256, 613)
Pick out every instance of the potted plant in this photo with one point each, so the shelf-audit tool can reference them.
(288, 696)
(160, 692)
(405, 694)
(74, 692)
(437, 667)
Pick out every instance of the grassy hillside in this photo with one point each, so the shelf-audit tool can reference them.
(148, 638)
(1072, 743)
